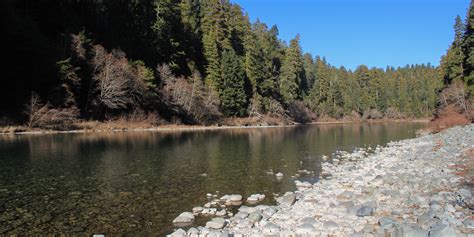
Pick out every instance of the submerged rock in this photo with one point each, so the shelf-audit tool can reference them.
(184, 218)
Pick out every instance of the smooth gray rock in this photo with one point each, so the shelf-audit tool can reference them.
(270, 229)
(216, 223)
(179, 233)
(235, 198)
(254, 217)
(242, 214)
(197, 210)
(469, 222)
(245, 224)
(365, 211)
(185, 217)
(345, 196)
(287, 200)
(410, 231)
(330, 225)
(193, 231)
(270, 211)
(309, 220)
(387, 223)
(443, 231)
(305, 228)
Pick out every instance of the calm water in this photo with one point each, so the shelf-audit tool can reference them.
(138, 182)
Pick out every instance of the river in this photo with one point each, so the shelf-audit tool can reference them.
(138, 182)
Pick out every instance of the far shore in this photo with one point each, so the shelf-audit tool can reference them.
(109, 127)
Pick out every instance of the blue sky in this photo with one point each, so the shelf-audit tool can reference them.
(376, 33)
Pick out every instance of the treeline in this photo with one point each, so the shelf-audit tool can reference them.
(457, 68)
(192, 61)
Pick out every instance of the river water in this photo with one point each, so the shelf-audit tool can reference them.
(138, 182)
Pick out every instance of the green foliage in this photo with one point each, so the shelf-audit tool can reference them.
(145, 74)
(231, 88)
(468, 50)
(244, 63)
(292, 82)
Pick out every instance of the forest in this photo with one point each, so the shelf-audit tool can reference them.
(200, 62)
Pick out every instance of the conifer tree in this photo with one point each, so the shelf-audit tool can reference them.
(231, 88)
(468, 50)
(292, 82)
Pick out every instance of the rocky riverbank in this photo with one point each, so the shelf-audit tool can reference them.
(417, 187)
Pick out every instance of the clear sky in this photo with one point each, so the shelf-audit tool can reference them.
(376, 33)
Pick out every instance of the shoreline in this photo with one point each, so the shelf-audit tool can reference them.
(414, 187)
(184, 128)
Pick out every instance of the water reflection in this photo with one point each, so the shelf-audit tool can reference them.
(137, 182)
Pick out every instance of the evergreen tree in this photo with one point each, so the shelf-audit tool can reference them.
(231, 88)
(292, 83)
(255, 67)
(468, 50)
(451, 63)
(169, 35)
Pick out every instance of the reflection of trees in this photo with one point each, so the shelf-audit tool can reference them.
(156, 175)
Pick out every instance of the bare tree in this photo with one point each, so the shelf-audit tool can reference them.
(188, 96)
(456, 95)
(41, 114)
(118, 85)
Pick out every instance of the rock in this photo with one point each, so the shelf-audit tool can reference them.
(365, 211)
(254, 198)
(216, 223)
(347, 205)
(242, 214)
(469, 202)
(179, 233)
(287, 200)
(330, 225)
(469, 222)
(245, 224)
(345, 196)
(410, 231)
(185, 217)
(192, 231)
(270, 229)
(387, 223)
(235, 198)
(305, 229)
(224, 198)
(221, 212)
(279, 175)
(309, 220)
(197, 210)
(443, 231)
(270, 211)
(465, 192)
(254, 217)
